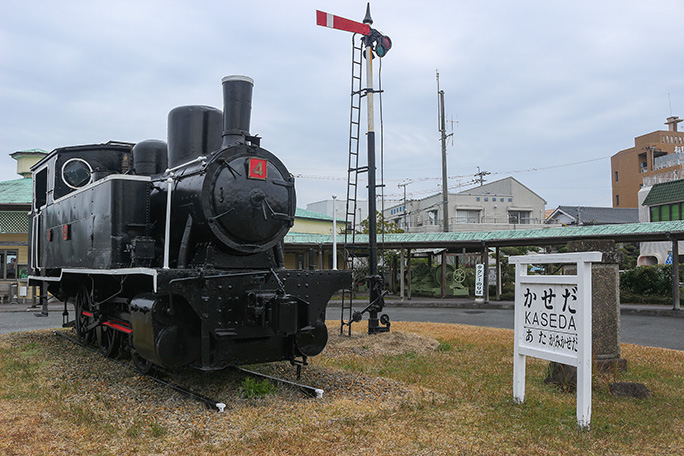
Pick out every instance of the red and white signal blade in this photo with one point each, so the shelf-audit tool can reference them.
(340, 23)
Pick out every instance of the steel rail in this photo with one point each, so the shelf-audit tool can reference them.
(210, 403)
(310, 390)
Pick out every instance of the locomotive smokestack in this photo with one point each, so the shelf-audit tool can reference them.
(237, 108)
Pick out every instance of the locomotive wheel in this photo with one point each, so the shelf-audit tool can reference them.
(141, 364)
(108, 340)
(83, 304)
(459, 275)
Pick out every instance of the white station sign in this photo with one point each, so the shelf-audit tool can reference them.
(553, 321)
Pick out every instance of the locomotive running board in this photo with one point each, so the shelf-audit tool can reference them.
(112, 272)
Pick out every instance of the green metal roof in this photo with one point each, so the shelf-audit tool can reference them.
(304, 213)
(29, 152)
(666, 192)
(18, 191)
(628, 232)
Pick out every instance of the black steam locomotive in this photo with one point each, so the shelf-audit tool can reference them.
(174, 252)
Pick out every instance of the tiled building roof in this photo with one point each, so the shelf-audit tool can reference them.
(666, 192)
(587, 215)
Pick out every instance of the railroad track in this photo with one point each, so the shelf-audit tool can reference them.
(210, 403)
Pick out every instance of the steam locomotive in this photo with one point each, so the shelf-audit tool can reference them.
(173, 251)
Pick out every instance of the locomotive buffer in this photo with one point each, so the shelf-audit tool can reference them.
(375, 43)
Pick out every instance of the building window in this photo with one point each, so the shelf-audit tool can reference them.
(519, 217)
(617, 200)
(510, 200)
(433, 217)
(9, 269)
(477, 198)
(486, 199)
(616, 176)
(467, 216)
(667, 212)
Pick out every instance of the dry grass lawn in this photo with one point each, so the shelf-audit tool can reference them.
(424, 389)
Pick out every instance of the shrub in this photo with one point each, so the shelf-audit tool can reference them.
(648, 280)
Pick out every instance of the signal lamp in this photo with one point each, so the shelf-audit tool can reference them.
(383, 45)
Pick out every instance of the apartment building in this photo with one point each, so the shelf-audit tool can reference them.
(656, 157)
(505, 204)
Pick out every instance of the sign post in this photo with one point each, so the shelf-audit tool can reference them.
(553, 321)
(479, 279)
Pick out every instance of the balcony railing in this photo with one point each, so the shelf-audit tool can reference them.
(666, 161)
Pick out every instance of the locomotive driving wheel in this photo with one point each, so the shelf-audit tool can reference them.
(108, 340)
(141, 364)
(84, 316)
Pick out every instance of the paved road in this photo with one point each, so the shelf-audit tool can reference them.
(666, 332)
(27, 321)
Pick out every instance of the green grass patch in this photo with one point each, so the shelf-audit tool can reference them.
(253, 388)
(448, 390)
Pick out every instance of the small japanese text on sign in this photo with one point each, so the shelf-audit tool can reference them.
(549, 317)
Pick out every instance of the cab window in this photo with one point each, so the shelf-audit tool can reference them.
(76, 173)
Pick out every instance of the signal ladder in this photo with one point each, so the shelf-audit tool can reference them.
(353, 171)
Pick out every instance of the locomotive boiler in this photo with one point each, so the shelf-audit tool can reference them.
(173, 251)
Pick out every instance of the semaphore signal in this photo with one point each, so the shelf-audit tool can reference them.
(375, 44)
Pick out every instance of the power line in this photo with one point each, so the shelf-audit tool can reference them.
(421, 179)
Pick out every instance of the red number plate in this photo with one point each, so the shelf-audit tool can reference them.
(258, 168)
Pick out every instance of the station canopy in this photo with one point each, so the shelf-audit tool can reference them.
(629, 232)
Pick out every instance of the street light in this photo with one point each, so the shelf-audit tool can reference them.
(334, 197)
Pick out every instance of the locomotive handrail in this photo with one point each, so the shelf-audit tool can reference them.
(35, 255)
(103, 181)
(176, 168)
(219, 276)
(169, 181)
(167, 227)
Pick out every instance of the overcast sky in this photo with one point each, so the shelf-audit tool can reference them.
(544, 91)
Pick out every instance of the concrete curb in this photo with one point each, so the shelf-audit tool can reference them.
(653, 310)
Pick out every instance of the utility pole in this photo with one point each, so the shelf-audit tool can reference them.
(443, 138)
(479, 176)
(404, 184)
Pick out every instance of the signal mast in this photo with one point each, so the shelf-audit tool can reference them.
(375, 43)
